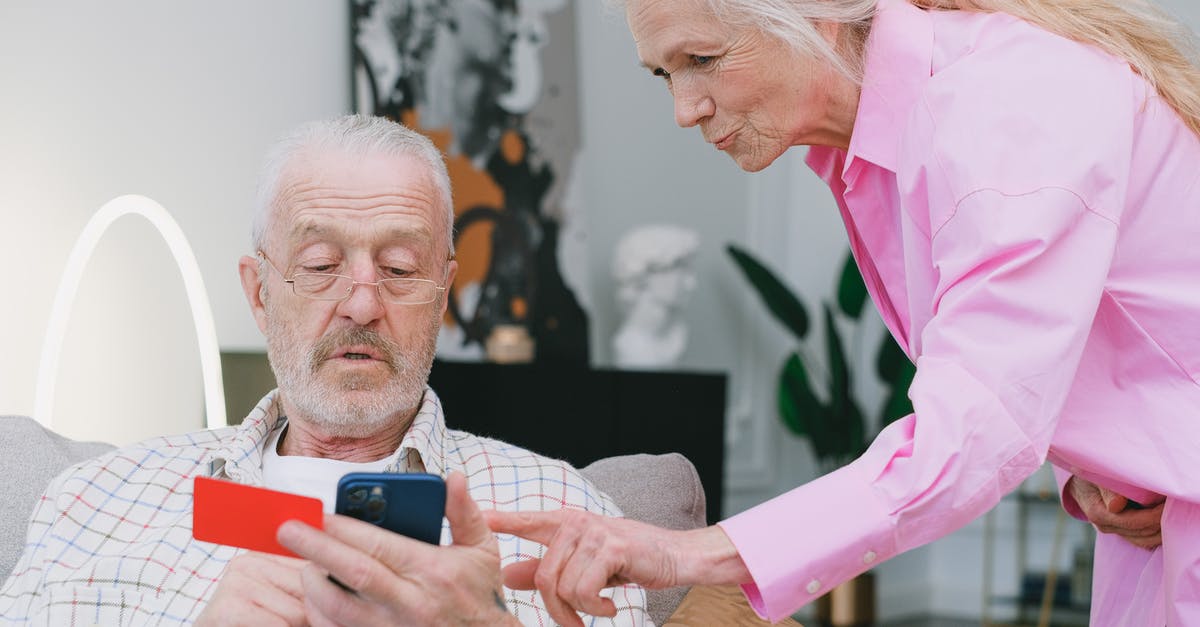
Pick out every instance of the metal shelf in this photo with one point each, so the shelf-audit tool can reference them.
(1029, 603)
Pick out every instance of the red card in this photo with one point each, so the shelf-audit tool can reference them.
(246, 516)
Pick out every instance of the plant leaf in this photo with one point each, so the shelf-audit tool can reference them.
(801, 410)
(890, 359)
(852, 292)
(847, 420)
(898, 405)
(856, 435)
(787, 308)
(839, 369)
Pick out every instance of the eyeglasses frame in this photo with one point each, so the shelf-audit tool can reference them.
(353, 284)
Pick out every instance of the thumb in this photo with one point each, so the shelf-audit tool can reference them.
(520, 576)
(1115, 503)
(467, 525)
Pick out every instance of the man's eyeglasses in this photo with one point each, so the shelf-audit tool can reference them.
(338, 287)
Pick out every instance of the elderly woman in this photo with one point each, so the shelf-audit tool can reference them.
(1020, 183)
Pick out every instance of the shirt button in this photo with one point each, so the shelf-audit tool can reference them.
(813, 586)
(869, 557)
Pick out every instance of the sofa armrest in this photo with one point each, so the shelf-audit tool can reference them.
(717, 605)
(663, 490)
(31, 455)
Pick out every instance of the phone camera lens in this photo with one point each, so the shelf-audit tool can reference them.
(375, 509)
(357, 495)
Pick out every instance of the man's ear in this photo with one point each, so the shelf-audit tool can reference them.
(252, 287)
(451, 271)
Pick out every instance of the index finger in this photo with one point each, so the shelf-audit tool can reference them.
(392, 549)
(358, 554)
(537, 526)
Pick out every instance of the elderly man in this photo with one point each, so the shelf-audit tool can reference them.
(348, 282)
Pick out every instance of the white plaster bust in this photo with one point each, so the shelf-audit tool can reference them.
(652, 266)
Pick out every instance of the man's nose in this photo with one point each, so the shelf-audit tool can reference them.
(364, 305)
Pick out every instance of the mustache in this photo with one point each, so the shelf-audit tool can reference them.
(327, 346)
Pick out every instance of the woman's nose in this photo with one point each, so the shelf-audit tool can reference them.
(691, 104)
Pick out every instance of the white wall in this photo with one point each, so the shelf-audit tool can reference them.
(176, 101)
(638, 166)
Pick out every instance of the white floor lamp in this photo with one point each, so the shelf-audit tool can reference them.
(60, 313)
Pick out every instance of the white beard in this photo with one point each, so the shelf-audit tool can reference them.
(349, 405)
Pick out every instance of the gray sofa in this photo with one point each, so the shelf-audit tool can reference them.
(660, 489)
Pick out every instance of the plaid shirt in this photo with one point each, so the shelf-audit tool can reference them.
(110, 542)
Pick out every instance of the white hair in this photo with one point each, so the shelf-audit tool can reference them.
(355, 134)
(794, 24)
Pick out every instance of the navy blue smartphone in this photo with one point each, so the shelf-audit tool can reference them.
(410, 503)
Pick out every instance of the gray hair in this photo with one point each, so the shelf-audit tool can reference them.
(355, 134)
(793, 22)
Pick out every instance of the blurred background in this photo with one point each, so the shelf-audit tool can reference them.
(178, 101)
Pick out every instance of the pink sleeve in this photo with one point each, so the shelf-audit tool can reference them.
(1068, 501)
(1019, 281)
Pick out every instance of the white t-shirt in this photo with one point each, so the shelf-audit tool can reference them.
(310, 476)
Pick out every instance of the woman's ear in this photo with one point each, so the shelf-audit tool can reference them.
(830, 31)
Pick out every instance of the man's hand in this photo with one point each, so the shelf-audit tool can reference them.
(1110, 513)
(586, 553)
(257, 589)
(395, 580)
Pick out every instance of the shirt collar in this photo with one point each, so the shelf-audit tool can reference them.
(898, 62)
(426, 438)
(241, 458)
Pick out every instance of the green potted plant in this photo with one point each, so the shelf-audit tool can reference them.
(833, 421)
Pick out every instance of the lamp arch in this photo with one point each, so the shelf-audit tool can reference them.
(193, 282)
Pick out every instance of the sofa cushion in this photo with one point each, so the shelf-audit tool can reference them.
(33, 455)
(663, 490)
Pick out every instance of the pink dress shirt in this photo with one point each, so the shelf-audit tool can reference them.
(1025, 211)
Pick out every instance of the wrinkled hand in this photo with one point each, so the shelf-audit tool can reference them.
(586, 553)
(1110, 513)
(395, 580)
(257, 589)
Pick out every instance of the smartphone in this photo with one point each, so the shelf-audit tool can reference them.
(410, 503)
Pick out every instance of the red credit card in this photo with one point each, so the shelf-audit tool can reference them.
(246, 516)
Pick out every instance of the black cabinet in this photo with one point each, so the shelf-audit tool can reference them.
(582, 414)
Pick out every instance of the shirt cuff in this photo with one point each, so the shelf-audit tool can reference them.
(797, 547)
(1068, 501)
